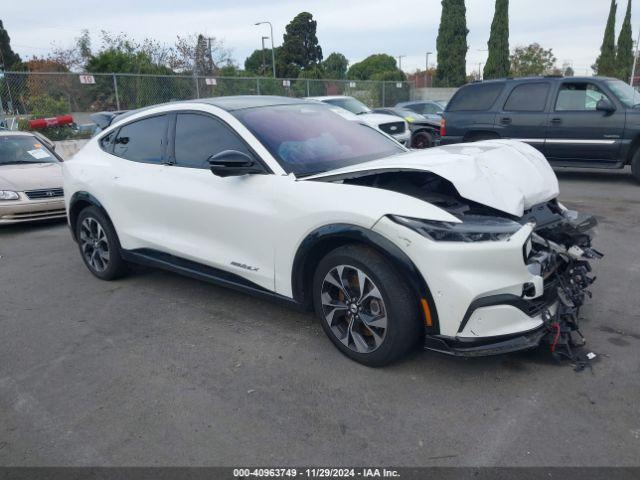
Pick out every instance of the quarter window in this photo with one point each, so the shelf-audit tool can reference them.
(198, 137)
(142, 140)
(578, 97)
(529, 97)
(476, 97)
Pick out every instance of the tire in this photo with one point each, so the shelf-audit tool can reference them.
(99, 245)
(635, 165)
(421, 139)
(387, 302)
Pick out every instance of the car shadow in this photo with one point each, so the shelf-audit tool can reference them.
(28, 227)
(623, 176)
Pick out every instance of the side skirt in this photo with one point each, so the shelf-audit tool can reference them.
(154, 258)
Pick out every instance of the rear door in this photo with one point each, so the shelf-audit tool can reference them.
(579, 133)
(522, 116)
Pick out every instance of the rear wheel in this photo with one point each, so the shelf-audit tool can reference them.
(421, 139)
(635, 165)
(99, 245)
(365, 307)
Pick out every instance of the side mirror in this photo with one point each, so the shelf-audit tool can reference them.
(605, 105)
(233, 163)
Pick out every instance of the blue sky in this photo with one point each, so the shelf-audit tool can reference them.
(356, 28)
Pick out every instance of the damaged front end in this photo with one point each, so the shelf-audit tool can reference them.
(560, 251)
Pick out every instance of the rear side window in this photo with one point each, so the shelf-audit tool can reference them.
(529, 97)
(198, 137)
(143, 140)
(476, 97)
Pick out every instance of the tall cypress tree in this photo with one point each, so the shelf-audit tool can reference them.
(452, 45)
(8, 58)
(625, 53)
(606, 63)
(497, 65)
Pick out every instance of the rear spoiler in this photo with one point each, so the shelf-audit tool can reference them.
(104, 119)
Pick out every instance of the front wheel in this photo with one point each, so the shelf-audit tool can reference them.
(421, 140)
(365, 308)
(99, 245)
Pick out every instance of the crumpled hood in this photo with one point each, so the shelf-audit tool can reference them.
(507, 175)
(22, 177)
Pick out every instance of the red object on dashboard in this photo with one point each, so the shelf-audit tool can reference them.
(40, 123)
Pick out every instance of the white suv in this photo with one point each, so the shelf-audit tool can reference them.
(354, 109)
(461, 249)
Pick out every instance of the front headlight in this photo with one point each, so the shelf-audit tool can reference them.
(8, 195)
(474, 228)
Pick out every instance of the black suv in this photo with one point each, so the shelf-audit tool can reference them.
(574, 121)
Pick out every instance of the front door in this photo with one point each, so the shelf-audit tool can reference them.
(577, 132)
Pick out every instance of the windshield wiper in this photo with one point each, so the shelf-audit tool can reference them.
(17, 162)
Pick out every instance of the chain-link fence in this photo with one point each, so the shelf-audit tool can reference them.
(53, 93)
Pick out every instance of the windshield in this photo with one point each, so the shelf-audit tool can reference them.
(625, 92)
(349, 103)
(409, 115)
(310, 138)
(16, 149)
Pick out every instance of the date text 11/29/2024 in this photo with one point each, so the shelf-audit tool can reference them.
(315, 473)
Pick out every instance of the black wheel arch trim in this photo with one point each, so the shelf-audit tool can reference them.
(84, 197)
(342, 233)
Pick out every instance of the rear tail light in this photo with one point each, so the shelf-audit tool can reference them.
(443, 127)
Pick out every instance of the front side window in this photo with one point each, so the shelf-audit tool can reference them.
(310, 138)
(625, 92)
(143, 140)
(529, 97)
(199, 137)
(17, 149)
(576, 97)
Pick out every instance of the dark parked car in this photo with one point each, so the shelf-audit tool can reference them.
(574, 121)
(425, 132)
(428, 108)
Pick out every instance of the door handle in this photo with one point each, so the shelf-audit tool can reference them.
(556, 121)
(505, 121)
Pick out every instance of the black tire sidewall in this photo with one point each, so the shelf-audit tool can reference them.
(403, 328)
(427, 135)
(117, 266)
(635, 165)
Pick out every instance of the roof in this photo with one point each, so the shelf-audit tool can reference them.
(247, 101)
(542, 77)
(328, 97)
(6, 133)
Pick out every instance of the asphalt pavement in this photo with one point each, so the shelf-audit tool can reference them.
(158, 369)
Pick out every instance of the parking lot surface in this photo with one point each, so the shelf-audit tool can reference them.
(158, 369)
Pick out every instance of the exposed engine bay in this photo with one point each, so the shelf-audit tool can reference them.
(559, 248)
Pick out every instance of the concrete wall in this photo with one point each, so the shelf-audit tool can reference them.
(67, 148)
(432, 93)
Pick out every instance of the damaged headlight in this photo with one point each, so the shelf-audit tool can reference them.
(474, 228)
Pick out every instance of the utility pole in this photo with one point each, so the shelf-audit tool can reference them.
(635, 60)
(400, 57)
(264, 64)
(273, 50)
(426, 71)
(479, 70)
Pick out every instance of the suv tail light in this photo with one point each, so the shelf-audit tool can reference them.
(443, 127)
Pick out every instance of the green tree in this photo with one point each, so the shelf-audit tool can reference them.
(606, 63)
(300, 49)
(452, 44)
(335, 66)
(372, 65)
(8, 58)
(497, 65)
(254, 62)
(531, 60)
(624, 54)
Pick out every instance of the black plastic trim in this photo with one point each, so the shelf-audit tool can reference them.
(345, 233)
(75, 198)
(155, 258)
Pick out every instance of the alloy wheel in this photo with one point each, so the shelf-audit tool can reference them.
(354, 309)
(94, 244)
